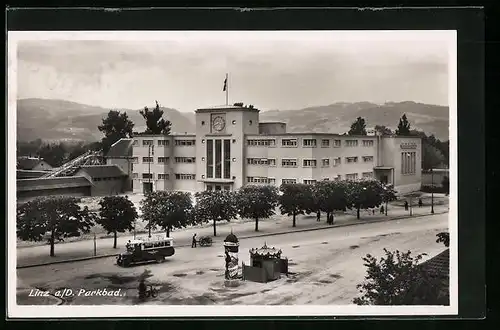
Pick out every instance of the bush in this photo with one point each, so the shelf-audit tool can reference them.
(398, 279)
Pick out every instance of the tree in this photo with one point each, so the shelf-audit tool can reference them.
(403, 126)
(364, 194)
(431, 156)
(398, 279)
(443, 237)
(216, 205)
(57, 217)
(330, 196)
(295, 199)
(167, 210)
(117, 215)
(383, 130)
(155, 124)
(54, 154)
(256, 202)
(115, 126)
(358, 127)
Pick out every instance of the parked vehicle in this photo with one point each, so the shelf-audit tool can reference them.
(146, 249)
(205, 241)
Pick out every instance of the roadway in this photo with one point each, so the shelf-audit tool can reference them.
(326, 264)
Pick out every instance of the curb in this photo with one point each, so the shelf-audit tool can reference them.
(349, 224)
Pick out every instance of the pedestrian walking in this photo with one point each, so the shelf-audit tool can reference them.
(420, 203)
(193, 243)
(382, 209)
(406, 205)
(373, 211)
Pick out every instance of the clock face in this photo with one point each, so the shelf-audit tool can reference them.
(218, 123)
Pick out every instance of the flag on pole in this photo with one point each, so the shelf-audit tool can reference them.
(225, 85)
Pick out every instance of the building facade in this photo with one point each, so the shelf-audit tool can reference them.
(231, 149)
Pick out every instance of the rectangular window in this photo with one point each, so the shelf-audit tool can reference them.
(311, 143)
(135, 175)
(227, 159)
(288, 181)
(182, 176)
(351, 143)
(146, 143)
(163, 143)
(337, 143)
(218, 159)
(352, 176)
(351, 160)
(367, 175)
(147, 175)
(336, 161)
(261, 143)
(185, 143)
(163, 176)
(210, 158)
(135, 143)
(260, 180)
(325, 162)
(289, 162)
(325, 143)
(368, 159)
(147, 159)
(309, 181)
(261, 161)
(367, 143)
(185, 160)
(135, 160)
(289, 142)
(210, 187)
(309, 163)
(163, 160)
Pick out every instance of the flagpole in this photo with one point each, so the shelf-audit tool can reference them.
(227, 90)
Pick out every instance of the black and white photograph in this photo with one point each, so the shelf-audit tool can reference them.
(232, 173)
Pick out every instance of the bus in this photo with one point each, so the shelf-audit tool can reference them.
(139, 250)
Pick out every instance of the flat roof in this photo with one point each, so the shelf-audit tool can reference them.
(52, 183)
(227, 108)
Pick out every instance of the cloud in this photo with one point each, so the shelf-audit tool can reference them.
(268, 70)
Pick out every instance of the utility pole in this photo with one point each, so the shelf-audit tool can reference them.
(95, 246)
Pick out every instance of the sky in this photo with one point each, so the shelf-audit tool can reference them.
(271, 70)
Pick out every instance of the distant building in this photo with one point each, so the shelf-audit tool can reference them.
(61, 186)
(231, 149)
(32, 164)
(105, 179)
(120, 154)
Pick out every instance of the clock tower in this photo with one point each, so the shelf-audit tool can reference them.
(220, 156)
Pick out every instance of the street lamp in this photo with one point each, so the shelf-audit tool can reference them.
(432, 191)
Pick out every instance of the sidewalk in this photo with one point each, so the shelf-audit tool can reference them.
(35, 255)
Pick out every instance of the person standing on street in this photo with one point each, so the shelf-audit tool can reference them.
(193, 243)
(420, 203)
(406, 205)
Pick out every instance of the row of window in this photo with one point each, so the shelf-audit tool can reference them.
(165, 160)
(272, 181)
(165, 143)
(325, 162)
(165, 176)
(311, 143)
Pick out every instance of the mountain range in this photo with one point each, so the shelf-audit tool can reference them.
(49, 119)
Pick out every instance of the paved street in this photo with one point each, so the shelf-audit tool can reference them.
(327, 266)
(85, 248)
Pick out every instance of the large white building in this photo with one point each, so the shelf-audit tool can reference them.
(231, 148)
